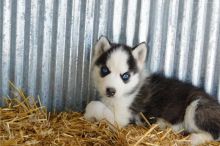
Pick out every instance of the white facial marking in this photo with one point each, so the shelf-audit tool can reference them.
(117, 62)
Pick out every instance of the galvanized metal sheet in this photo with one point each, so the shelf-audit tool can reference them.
(46, 46)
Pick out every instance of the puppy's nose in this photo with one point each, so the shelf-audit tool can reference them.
(110, 92)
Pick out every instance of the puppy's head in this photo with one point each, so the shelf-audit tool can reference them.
(117, 68)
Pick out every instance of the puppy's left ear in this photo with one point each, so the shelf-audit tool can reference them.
(140, 52)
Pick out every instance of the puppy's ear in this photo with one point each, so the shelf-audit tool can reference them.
(101, 46)
(140, 52)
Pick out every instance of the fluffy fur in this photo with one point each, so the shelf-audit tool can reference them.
(167, 101)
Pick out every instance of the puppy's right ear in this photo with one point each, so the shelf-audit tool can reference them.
(101, 46)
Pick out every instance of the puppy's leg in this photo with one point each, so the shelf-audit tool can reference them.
(202, 119)
(163, 124)
(178, 127)
(200, 138)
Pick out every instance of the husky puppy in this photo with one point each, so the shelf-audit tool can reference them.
(127, 88)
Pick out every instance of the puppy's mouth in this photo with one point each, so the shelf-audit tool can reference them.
(109, 96)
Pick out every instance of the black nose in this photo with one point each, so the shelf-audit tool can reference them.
(110, 92)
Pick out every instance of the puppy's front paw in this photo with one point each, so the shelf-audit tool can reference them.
(90, 111)
(96, 111)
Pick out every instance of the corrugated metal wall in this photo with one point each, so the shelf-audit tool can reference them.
(46, 45)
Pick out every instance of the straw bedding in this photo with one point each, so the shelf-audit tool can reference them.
(23, 122)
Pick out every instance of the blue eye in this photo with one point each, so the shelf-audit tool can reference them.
(104, 71)
(125, 76)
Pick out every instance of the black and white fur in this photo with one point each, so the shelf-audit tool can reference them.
(172, 102)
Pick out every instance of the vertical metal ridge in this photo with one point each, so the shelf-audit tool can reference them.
(46, 56)
(214, 91)
(144, 20)
(164, 33)
(32, 55)
(53, 53)
(171, 38)
(199, 41)
(67, 52)
(217, 71)
(218, 85)
(130, 29)
(6, 40)
(1, 48)
(74, 45)
(13, 30)
(19, 49)
(60, 50)
(218, 90)
(157, 35)
(40, 37)
(26, 59)
(185, 35)
(88, 43)
(80, 63)
(117, 19)
(103, 15)
(212, 46)
(110, 19)
(123, 20)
